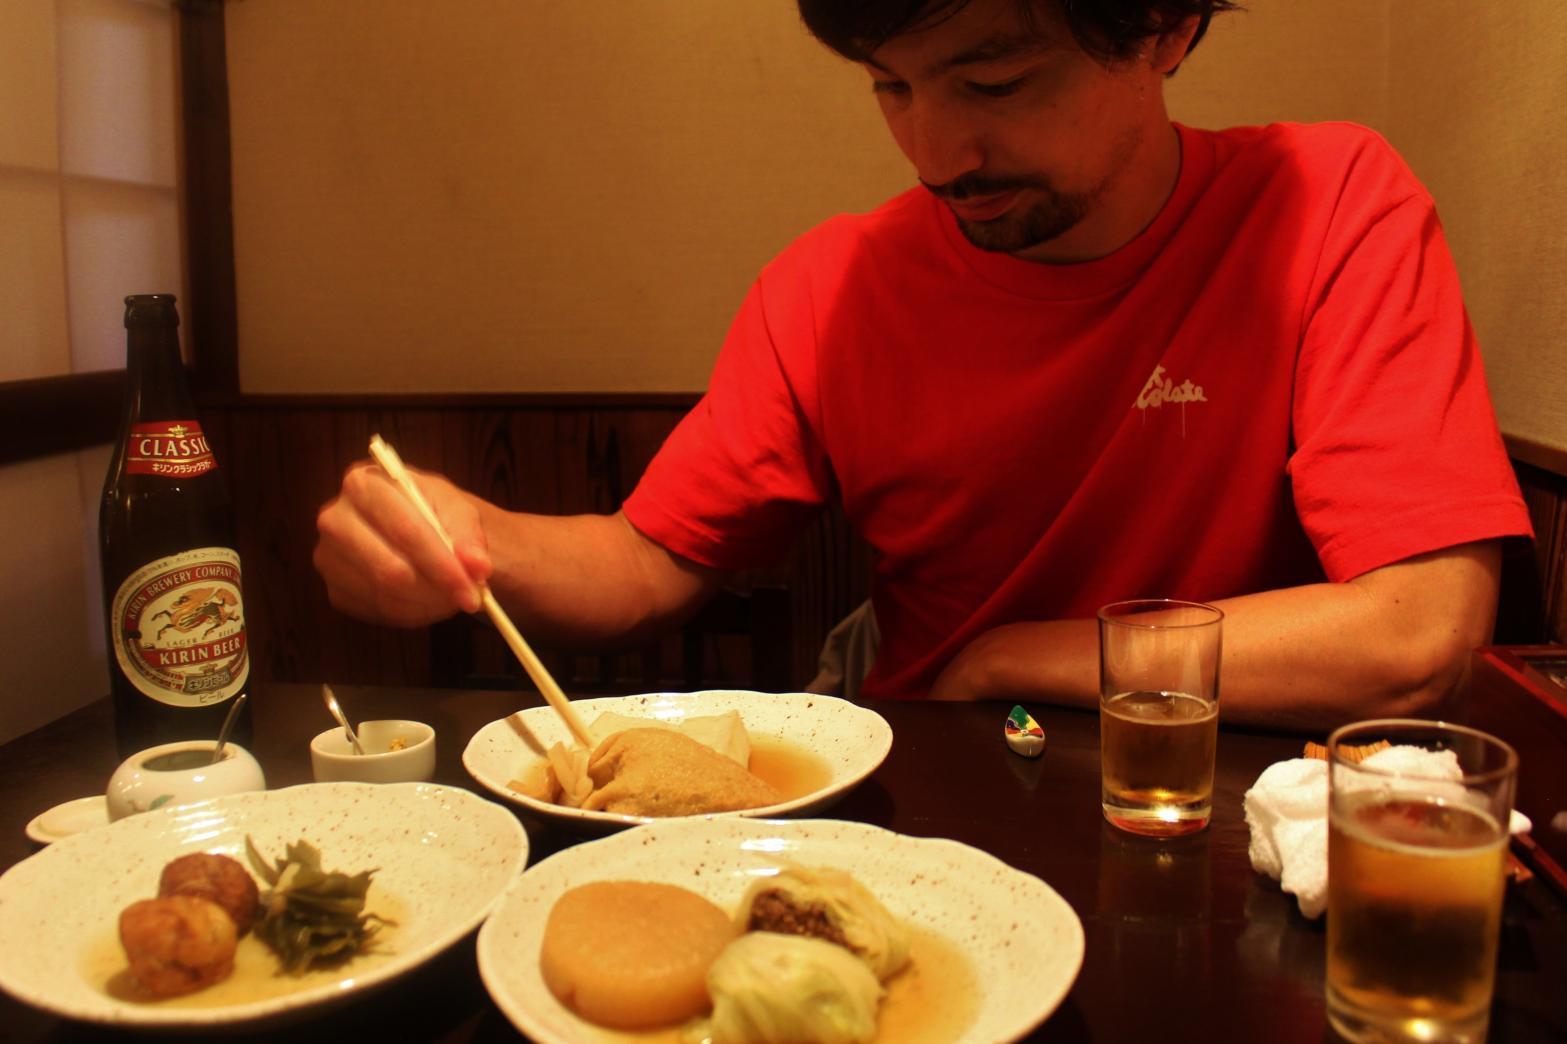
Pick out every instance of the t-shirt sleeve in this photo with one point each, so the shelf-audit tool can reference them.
(745, 470)
(1397, 449)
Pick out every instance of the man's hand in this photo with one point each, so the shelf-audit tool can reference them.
(383, 562)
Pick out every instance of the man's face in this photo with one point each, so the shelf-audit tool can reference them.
(1022, 134)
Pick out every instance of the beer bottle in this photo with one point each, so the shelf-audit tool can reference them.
(171, 575)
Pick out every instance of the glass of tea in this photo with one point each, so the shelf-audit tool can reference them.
(1158, 714)
(1416, 874)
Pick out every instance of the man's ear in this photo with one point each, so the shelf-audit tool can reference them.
(1168, 49)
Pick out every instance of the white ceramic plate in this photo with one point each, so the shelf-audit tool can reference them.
(1019, 939)
(852, 741)
(444, 857)
(69, 817)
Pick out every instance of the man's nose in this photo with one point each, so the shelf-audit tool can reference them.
(942, 145)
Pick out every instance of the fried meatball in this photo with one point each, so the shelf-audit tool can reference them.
(217, 878)
(179, 944)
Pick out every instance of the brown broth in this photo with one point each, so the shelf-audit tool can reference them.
(255, 976)
(931, 1001)
(791, 769)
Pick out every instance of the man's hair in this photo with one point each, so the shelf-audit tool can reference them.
(1106, 29)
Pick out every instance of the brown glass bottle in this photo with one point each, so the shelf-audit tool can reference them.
(171, 574)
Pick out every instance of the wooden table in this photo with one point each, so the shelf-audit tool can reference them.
(1184, 941)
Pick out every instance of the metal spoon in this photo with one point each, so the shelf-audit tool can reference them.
(337, 712)
(228, 726)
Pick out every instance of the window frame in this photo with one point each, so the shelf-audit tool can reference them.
(45, 416)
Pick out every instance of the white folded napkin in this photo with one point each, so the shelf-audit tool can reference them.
(1287, 811)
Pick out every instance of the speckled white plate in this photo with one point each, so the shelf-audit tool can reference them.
(1019, 938)
(69, 817)
(444, 857)
(852, 740)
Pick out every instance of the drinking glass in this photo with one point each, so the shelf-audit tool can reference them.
(1158, 714)
(1416, 872)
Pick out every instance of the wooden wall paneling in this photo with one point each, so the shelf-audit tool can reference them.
(828, 576)
(1546, 494)
(515, 459)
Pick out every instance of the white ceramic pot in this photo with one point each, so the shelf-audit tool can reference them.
(179, 774)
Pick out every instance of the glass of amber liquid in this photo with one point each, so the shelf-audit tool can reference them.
(1158, 714)
(1416, 873)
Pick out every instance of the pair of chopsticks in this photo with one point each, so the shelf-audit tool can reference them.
(392, 464)
(1517, 869)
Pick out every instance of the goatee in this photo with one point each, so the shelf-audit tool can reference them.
(1052, 214)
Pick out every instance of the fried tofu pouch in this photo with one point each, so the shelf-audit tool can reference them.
(659, 772)
(724, 732)
(828, 904)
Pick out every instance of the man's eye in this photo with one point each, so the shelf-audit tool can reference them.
(997, 90)
(889, 87)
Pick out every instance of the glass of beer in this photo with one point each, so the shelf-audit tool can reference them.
(1416, 872)
(1158, 714)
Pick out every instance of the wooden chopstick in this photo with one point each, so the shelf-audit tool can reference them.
(387, 457)
(1516, 869)
(1351, 753)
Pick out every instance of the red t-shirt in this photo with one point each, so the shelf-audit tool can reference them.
(1273, 384)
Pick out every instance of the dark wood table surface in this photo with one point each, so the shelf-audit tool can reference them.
(1184, 941)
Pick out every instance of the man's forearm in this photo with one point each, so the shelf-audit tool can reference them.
(587, 578)
(1393, 643)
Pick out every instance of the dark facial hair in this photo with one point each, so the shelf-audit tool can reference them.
(1052, 214)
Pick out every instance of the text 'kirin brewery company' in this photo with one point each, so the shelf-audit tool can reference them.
(171, 574)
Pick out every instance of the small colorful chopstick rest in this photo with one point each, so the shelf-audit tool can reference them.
(1024, 735)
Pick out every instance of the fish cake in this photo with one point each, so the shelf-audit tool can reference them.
(632, 954)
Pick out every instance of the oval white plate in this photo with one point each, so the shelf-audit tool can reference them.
(1020, 938)
(69, 817)
(852, 740)
(444, 857)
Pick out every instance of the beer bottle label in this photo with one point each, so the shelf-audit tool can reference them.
(180, 629)
(171, 448)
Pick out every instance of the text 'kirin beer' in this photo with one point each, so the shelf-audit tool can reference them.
(171, 576)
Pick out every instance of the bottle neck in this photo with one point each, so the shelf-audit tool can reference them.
(157, 388)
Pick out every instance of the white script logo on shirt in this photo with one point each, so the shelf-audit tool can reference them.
(1160, 389)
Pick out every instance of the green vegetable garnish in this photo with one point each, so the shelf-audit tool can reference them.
(310, 917)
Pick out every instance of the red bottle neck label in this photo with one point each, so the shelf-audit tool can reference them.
(171, 448)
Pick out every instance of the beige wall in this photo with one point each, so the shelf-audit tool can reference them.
(543, 197)
(551, 196)
(1478, 106)
(1287, 60)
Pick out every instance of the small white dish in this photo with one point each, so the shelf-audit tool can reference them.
(1019, 942)
(179, 774)
(332, 757)
(69, 817)
(849, 739)
(443, 856)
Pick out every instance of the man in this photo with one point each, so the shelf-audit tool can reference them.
(1094, 356)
